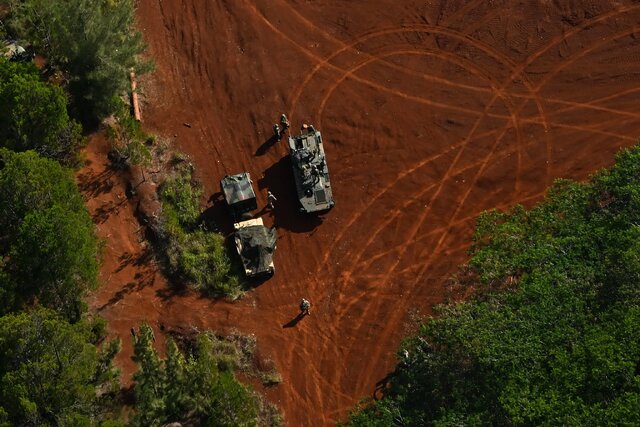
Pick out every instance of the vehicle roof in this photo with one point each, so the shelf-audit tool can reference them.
(237, 188)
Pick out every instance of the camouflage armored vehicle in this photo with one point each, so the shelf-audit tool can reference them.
(310, 171)
(254, 242)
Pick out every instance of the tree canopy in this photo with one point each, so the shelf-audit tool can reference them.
(35, 114)
(553, 335)
(47, 243)
(197, 389)
(92, 42)
(50, 370)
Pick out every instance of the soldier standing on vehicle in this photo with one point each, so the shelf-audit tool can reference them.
(271, 199)
(305, 307)
(276, 132)
(284, 122)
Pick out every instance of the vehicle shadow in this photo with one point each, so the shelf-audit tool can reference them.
(278, 179)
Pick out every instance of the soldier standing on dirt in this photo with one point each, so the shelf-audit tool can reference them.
(276, 132)
(271, 199)
(305, 307)
(284, 122)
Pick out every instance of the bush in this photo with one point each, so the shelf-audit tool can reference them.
(195, 255)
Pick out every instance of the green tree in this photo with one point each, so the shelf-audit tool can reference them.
(193, 390)
(47, 243)
(93, 43)
(35, 114)
(49, 370)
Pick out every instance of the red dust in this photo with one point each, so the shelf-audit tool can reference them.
(431, 112)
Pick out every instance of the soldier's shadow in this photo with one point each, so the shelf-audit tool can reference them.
(293, 322)
(262, 150)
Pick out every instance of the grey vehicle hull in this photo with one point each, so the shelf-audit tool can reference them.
(310, 172)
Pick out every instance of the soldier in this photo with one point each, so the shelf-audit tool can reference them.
(284, 122)
(276, 132)
(271, 199)
(305, 307)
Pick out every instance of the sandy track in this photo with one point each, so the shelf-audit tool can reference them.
(431, 112)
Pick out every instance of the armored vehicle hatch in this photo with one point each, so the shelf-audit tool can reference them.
(255, 244)
(310, 171)
(239, 194)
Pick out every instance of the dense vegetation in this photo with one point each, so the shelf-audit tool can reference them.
(55, 369)
(92, 43)
(47, 243)
(50, 371)
(553, 334)
(34, 114)
(195, 255)
(199, 389)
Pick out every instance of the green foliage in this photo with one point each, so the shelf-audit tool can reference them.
(553, 335)
(196, 389)
(49, 371)
(195, 255)
(35, 114)
(128, 139)
(93, 43)
(181, 201)
(48, 244)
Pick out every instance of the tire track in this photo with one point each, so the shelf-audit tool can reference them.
(531, 59)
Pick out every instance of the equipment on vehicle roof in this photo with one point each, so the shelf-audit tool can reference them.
(310, 171)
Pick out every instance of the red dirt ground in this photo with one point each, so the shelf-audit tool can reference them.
(431, 113)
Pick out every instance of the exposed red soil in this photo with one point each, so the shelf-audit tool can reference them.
(431, 113)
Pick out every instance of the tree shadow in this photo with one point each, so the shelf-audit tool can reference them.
(93, 185)
(103, 213)
(262, 150)
(383, 386)
(293, 322)
(142, 279)
(278, 179)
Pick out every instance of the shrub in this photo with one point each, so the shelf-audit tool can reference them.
(194, 254)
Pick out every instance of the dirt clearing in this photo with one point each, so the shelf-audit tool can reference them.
(431, 112)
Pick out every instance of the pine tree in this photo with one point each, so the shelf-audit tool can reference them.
(92, 42)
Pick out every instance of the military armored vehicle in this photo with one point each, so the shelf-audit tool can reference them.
(310, 171)
(254, 242)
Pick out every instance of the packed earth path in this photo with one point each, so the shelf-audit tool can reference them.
(431, 112)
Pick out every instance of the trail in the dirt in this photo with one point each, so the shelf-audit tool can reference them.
(431, 112)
